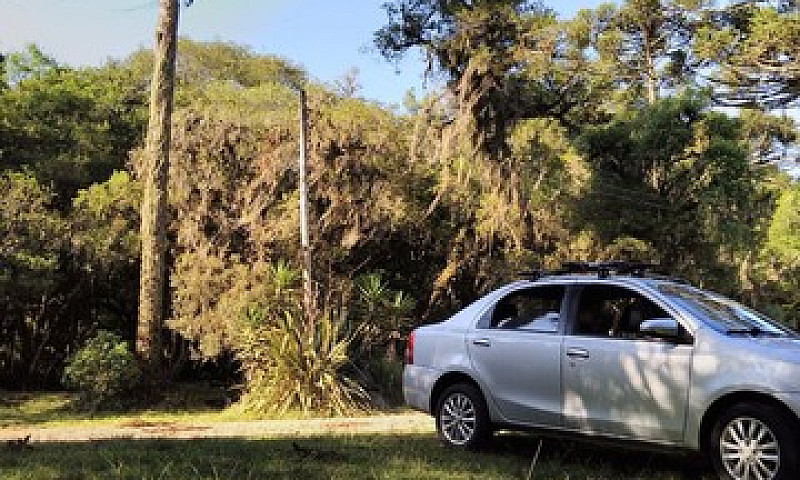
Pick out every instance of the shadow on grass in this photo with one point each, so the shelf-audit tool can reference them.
(24, 408)
(345, 457)
(35, 408)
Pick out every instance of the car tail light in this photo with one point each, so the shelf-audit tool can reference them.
(410, 348)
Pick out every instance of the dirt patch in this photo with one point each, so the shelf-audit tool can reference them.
(141, 429)
(162, 427)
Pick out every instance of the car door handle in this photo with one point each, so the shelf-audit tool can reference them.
(482, 342)
(577, 353)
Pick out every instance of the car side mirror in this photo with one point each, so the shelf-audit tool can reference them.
(666, 328)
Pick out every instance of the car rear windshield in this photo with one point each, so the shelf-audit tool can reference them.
(723, 313)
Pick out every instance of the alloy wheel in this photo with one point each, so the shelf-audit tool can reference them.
(458, 419)
(749, 450)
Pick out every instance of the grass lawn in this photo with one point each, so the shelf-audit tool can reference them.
(45, 409)
(348, 457)
(406, 456)
(182, 403)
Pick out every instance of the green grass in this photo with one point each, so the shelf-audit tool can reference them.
(409, 456)
(346, 458)
(182, 403)
(46, 409)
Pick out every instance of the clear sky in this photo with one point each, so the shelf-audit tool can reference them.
(327, 37)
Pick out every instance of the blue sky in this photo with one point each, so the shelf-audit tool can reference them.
(327, 37)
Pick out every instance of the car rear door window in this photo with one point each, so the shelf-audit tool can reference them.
(536, 309)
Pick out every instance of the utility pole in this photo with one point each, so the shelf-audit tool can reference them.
(308, 292)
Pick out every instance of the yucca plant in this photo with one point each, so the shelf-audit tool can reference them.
(381, 313)
(295, 365)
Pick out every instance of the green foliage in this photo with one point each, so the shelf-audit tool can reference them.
(105, 221)
(756, 49)
(201, 66)
(70, 128)
(32, 245)
(643, 46)
(296, 364)
(688, 198)
(234, 194)
(30, 235)
(382, 314)
(780, 272)
(31, 62)
(784, 231)
(67, 265)
(103, 371)
(545, 146)
(200, 62)
(498, 57)
(769, 138)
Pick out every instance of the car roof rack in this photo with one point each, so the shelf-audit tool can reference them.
(603, 269)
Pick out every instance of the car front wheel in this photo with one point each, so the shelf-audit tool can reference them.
(462, 419)
(754, 442)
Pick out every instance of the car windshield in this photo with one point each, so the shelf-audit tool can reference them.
(723, 313)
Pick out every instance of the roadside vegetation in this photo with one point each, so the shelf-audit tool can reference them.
(589, 138)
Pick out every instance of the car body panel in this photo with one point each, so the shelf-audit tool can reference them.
(626, 388)
(530, 392)
(725, 365)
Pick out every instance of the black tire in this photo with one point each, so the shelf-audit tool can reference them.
(754, 436)
(462, 419)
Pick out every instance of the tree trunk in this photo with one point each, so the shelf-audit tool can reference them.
(154, 203)
(649, 65)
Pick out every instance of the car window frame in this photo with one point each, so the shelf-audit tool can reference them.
(484, 323)
(576, 290)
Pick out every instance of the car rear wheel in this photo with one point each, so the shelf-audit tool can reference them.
(754, 441)
(462, 419)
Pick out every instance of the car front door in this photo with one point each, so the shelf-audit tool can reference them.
(617, 382)
(515, 353)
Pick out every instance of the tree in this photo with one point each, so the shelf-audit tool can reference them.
(770, 138)
(779, 270)
(754, 46)
(495, 56)
(641, 47)
(154, 202)
(71, 128)
(69, 255)
(3, 81)
(30, 63)
(690, 198)
(32, 239)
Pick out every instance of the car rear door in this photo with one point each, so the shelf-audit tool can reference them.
(515, 353)
(616, 382)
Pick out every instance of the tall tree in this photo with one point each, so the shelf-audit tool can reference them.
(755, 47)
(154, 202)
(643, 45)
(486, 50)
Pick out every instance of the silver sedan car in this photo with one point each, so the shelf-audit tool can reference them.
(619, 356)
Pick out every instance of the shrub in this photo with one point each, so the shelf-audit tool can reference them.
(103, 370)
(293, 365)
(383, 314)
